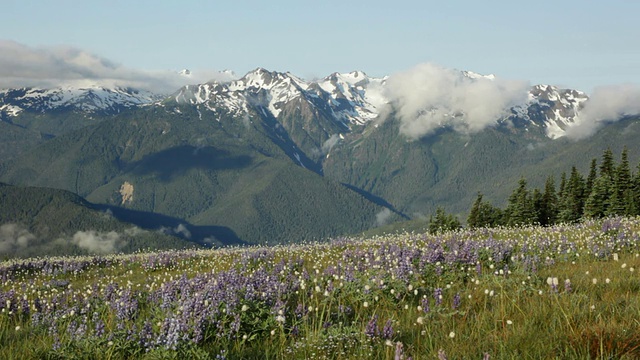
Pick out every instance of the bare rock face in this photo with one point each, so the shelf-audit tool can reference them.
(126, 191)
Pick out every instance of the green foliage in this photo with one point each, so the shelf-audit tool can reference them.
(443, 222)
(596, 204)
(600, 195)
(547, 207)
(571, 202)
(483, 214)
(521, 209)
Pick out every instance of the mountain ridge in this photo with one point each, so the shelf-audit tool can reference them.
(351, 98)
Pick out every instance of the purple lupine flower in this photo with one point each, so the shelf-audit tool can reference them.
(387, 331)
(372, 327)
(425, 305)
(456, 301)
(146, 336)
(437, 294)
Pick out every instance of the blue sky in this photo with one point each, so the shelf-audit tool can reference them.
(577, 44)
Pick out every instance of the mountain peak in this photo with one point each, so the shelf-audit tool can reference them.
(89, 98)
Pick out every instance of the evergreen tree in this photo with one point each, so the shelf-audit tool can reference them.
(595, 205)
(623, 185)
(536, 199)
(483, 214)
(607, 165)
(572, 200)
(614, 204)
(636, 192)
(591, 178)
(563, 185)
(443, 221)
(548, 208)
(520, 210)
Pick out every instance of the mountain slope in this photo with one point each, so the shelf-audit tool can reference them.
(272, 158)
(448, 169)
(205, 168)
(43, 221)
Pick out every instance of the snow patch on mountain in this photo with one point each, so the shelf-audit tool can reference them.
(352, 98)
(462, 99)
(553, 108)
(87, 99)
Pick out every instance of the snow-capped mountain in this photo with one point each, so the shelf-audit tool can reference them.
(355, 98)
(345, 98)
(552, 108)
(86, 99)
(352, 98)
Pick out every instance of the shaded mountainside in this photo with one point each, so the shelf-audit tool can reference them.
(43, 221)
(448, 169)
(207, 169)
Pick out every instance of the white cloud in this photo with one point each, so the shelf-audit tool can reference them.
(606, 104)
(330, 143)
(383, 217)
(429, 96)
(14, 237)
(97, 242)
(23, 66)
(182, 229)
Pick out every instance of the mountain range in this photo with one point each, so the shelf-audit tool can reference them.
(272, 158)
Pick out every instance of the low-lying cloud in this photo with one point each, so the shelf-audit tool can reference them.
(330, 143)
(429, 96)
(24, 66)
(383, 217)
(97, 242)
(14, 237)
(607, 104)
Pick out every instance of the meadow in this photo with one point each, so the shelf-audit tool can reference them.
(566, 291)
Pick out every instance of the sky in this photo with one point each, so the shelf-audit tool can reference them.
(575, 44)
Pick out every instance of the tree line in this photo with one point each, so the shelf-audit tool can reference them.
(608, 189)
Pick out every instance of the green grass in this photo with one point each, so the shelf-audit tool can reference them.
(508, 306)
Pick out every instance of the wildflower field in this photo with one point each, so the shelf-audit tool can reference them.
(567, 291)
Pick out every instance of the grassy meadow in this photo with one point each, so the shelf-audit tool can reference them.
(567, 291)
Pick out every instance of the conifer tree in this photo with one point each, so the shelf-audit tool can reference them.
(636, 192)
(572, 200)
(596, 204)
(623, 185)
(607, 165)
(536, 199)
(563, 184)
(548, 208)
(520, 210)
(614, 204)
(443, 221)
(483, 214)
(591, 178)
